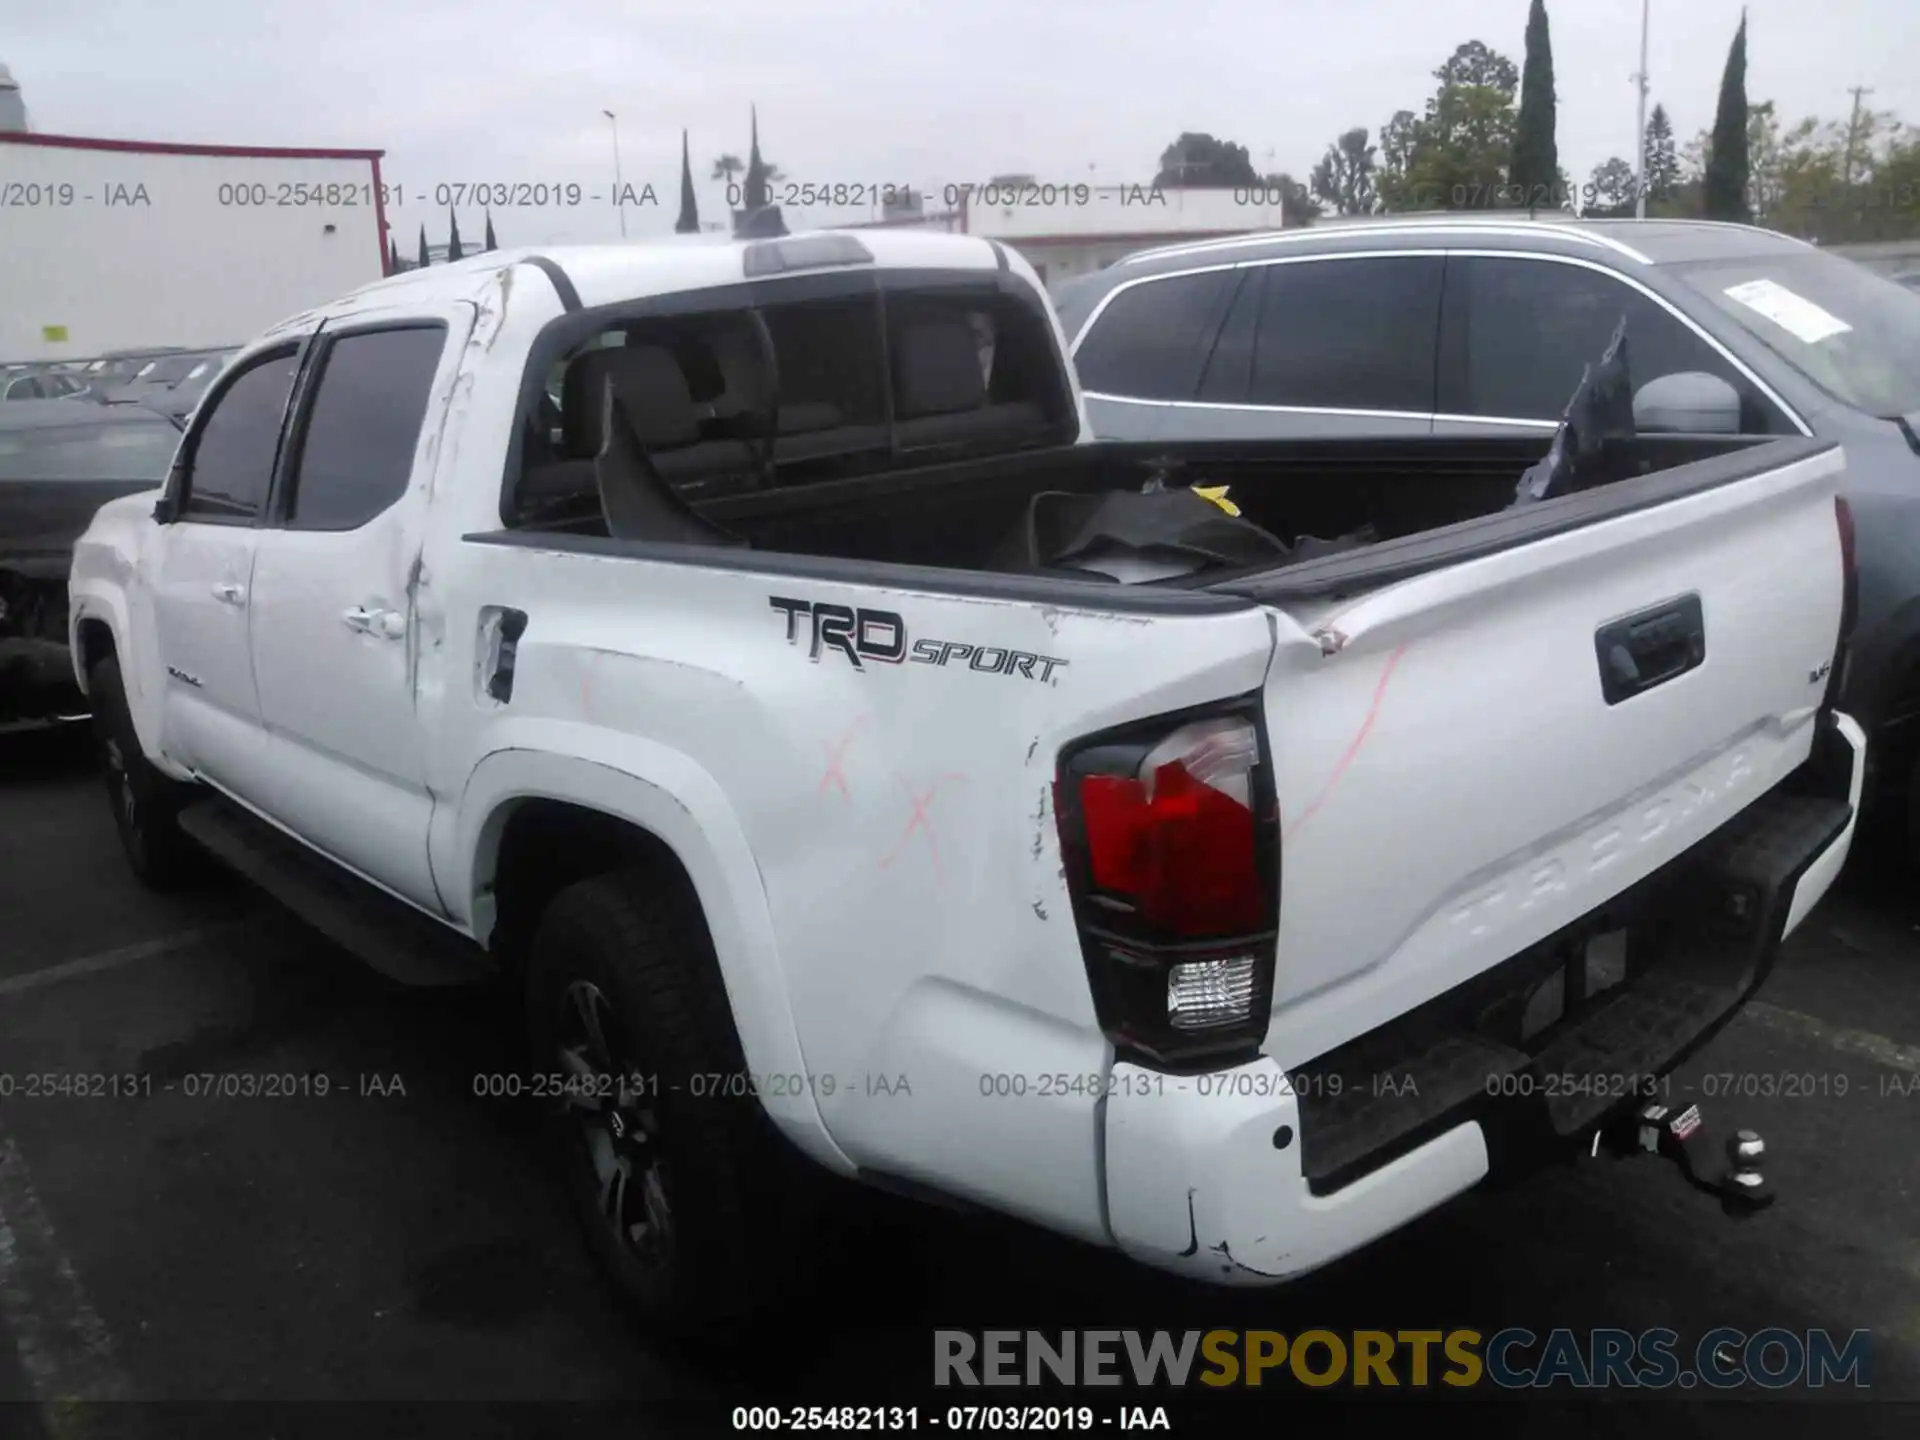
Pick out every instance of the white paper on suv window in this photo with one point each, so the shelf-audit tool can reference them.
(1795, 314)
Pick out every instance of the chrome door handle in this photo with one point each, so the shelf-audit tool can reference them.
(229, 593)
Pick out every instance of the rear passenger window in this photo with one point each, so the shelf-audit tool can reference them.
(233, 452)
(363, 426)
(1349, 334)
(1148, 342)
(1520, 333)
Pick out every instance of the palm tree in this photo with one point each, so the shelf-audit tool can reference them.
(727, 166)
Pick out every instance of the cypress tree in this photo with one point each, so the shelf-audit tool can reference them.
(424, 260)
(491, 244)
(1727, 165)
(756, 186)
(1534, 176)
(454, 252)
(689, 221)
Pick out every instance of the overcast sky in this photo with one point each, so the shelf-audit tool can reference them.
(901, 91)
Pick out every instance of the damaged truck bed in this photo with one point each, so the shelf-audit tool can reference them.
(747, 644)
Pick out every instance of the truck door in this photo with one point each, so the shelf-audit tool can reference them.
(203, 572)
(333, 633)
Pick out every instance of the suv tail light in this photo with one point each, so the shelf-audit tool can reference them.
(1171, 838)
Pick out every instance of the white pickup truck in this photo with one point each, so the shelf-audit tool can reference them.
(640, 624)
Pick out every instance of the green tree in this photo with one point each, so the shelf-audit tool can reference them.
(689, 221)
(1727, 173)
(1534, 176)
(1197, 161)
(726, 167)
(1610, 190)
(1663, 161)
(1398, 140)
(454, 252)
(1344, 180)
(424, 259)
(491, 244)
(757, 181)
(1297, 206)
(393, 256)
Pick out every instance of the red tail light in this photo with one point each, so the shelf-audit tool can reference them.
(1171, 838)
(1849, 566)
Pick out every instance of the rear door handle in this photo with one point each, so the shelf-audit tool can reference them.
(229, 593)
(1650, 648)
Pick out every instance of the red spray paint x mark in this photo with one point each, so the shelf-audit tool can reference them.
(1353, 746)
(836, 753)
(921, 821)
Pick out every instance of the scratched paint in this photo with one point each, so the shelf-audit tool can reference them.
(921, 821)
(1353, 746)
(836, 777)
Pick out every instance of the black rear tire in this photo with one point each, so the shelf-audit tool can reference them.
(689, 1198)
(146, 803)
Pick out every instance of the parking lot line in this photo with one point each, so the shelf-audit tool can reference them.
(63, 1346)
(1864, 1043)
(112, 959)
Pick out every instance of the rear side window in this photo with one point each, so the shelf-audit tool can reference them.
(363, 426)
(234, 450)
(1520, 333)
(1148, 342)
(1348, 334)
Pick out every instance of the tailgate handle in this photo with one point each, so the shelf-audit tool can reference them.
(1650, 648)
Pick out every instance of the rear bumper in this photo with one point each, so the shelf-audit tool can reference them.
(1252, 1175)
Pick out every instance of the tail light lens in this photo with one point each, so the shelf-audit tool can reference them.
(1171, 838)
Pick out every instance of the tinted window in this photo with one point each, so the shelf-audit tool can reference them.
(1349, 334)
(233, 456)
(363, 427)
(1224, 381)
(121, 451)
(1147, 342)
(1522, 332)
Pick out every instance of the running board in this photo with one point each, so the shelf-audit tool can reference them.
(387, 934)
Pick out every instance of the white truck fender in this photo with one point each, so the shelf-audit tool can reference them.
(666, 794)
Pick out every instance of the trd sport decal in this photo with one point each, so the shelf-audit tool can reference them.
(881, 637)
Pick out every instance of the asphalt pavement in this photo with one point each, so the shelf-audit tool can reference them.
(201, 1250)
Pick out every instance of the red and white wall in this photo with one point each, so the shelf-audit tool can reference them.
(115, 245)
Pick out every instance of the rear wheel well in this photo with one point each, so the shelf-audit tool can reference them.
(95, 638)
(547, 845)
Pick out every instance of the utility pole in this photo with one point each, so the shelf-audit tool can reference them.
(617, 184)
(1853, 136)
(1639, 78)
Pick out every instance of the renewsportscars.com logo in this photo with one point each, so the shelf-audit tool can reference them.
(1514, 1358)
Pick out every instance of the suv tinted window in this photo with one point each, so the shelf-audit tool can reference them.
(233, 453)
(1147, 342)
(356, 451)
(1348, 334)
(1520, 333)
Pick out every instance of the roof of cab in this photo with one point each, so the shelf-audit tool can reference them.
(1639, 242)
(668, 265)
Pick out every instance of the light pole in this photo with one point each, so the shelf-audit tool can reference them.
(1640, 128)
(617, 186)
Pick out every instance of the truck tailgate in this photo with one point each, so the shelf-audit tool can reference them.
(1470, 759)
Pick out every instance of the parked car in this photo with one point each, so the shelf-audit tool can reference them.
(165, 373)
(37, 382)
(1482, 326)
(782, 728)
(58, 463)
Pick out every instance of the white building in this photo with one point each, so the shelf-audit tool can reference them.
(1068, 230)
(122, 244)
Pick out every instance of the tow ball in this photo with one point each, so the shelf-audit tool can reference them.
(1731, 1171)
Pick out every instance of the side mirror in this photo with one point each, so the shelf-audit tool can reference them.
(1689, 403)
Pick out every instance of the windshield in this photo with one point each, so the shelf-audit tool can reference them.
(1853, 333)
